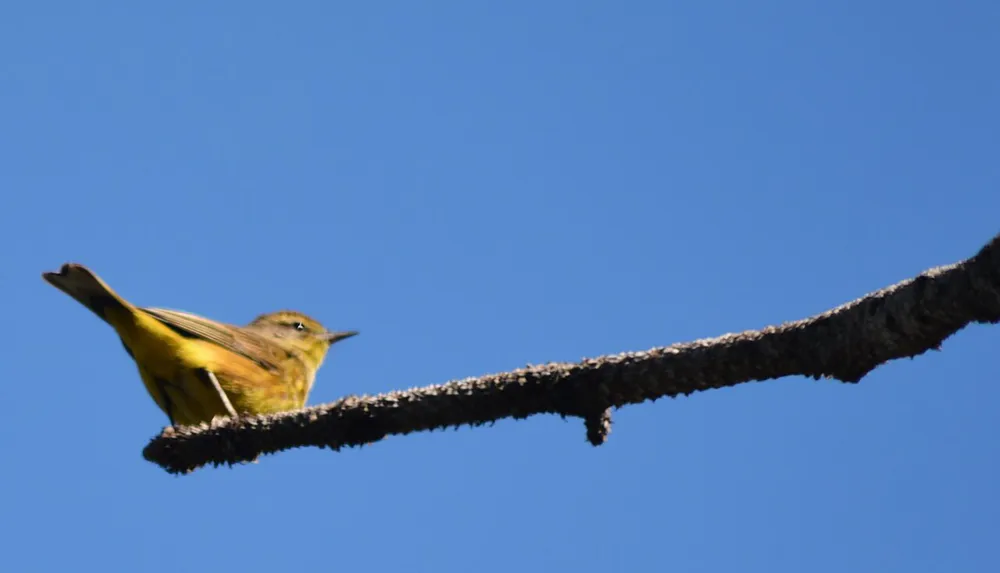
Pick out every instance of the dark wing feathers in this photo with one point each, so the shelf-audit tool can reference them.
(245, 343)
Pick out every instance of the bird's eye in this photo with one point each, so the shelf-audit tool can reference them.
(298, 326)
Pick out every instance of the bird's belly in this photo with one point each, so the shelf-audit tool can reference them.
(169, 366)
(251, 388)
(171, 377)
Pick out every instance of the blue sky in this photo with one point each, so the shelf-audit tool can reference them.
(476, 186)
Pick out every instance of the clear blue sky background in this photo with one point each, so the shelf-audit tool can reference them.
(476, 186)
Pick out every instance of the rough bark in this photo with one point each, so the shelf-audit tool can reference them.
(845, 343)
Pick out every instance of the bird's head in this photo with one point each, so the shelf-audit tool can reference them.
(296, 330)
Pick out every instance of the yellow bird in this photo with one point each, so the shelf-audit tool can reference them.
(196, 368)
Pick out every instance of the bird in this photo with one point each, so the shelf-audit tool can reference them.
(197, 369)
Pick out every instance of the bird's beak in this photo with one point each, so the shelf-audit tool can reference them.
(332, 337)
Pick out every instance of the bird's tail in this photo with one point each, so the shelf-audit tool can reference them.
(89, 290)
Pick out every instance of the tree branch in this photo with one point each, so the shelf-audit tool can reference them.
(903, 320)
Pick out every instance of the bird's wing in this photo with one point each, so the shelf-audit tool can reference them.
(248, 344)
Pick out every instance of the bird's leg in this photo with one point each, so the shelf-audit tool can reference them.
(225, 400)
(222, 393)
